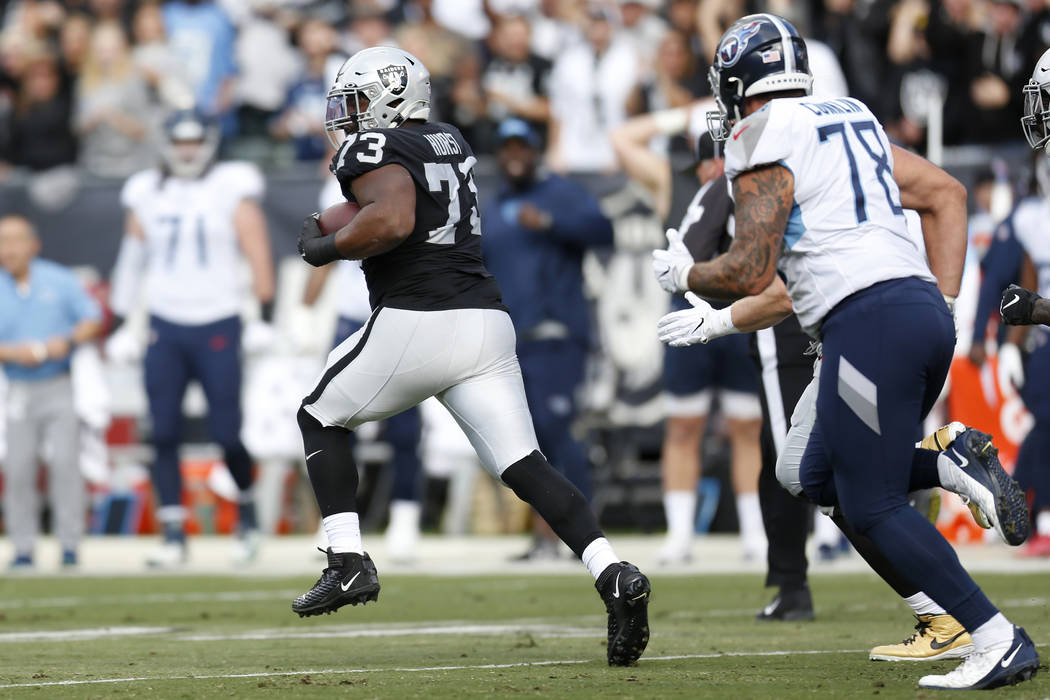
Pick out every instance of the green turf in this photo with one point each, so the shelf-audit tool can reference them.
(690, 616)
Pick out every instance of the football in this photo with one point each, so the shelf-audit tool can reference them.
(336, 217)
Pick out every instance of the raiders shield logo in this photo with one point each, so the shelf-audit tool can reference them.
(395, 78)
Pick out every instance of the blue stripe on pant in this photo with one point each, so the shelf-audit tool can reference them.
(887, 350)
(402, 431)
(177, 354)
(552, 370)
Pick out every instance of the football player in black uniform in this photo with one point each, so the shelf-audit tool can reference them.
(438, 328)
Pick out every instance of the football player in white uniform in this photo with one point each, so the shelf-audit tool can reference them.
(438, 328)
(816, 196)
(189, 224)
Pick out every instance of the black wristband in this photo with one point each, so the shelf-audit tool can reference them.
(266, 311)
(116, 322)
(321, 251)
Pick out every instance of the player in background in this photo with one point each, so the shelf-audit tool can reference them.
(1022, 255)
(858, 282)
(438, 328)
(692, 376)
(403, 431)
(189, 225)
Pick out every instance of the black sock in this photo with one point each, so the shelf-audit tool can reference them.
(557, 501)
(330, 464)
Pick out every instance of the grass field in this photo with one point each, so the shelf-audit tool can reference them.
(514, 636)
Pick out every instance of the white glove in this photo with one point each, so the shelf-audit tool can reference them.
(671, 266)
(1010, 370)
(124, 346)
(696, 325)
(257, 337)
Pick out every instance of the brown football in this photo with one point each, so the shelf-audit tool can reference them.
(336, 217)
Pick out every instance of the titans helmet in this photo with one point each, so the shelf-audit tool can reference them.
(190, 143)
(758, 54)
(1036, 120)
(377, 88)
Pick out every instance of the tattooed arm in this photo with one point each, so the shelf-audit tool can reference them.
(763, 203)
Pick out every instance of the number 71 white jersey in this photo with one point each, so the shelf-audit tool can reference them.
(847, 229)
(193, 270)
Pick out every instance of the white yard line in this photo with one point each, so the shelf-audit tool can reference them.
(81, 635)
(549, 631)
(415, 669)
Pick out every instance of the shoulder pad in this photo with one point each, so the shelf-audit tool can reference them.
(760, 138)
(239, 179)
(138, 187)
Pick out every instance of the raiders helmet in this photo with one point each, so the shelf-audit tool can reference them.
(1036, 120)
(201, 134)
(377, 88)
(758, 54)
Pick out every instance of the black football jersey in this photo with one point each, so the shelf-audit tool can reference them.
(439, 265)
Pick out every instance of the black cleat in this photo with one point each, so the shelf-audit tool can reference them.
(625, 591)
(977, 475)
(788, 606)
(350, 579)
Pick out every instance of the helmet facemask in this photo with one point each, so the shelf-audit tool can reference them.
(1036, 120)
(180, 157)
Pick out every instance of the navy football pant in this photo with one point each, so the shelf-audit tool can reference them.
(211, 354)
(887, 350)
(1033, 459)
(401, 431)
(552, 371)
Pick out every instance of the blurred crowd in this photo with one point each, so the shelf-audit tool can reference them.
(84, 82)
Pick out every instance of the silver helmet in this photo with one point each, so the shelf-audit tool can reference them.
(1036, 120)
(377, 88)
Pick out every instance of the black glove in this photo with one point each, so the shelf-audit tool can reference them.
(315, 247)
(1016, 305)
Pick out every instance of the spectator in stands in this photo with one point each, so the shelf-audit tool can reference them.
(537, 229)
(369, 27)
(302, 119)
(590, 84)
(675, 80)
(858, 32)
(202, 36)
(643, 27)
(112, 107)
(157, 61)
(453, 64)
(267, 64)
(997, 73)
(40, 135)
(44, 314)
(950, 25)
(74, 44)
(554, 24)
(514, 80)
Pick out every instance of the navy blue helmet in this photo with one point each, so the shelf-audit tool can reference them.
(759, 54)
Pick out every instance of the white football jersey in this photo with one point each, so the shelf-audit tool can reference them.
(351, 298)
(847, 230)
(193, 271)
(1029, 221)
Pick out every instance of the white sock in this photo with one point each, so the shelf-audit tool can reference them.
(922, 604)
(680, 512)
(598, 555)
(405, 514)
(996, 632)
(344, 533)
(749, 513)
(1042, 522)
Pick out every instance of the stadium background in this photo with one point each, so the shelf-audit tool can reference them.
(944, 77)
